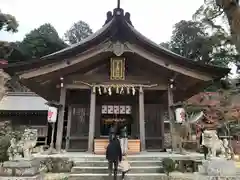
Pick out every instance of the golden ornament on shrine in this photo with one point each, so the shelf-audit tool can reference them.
(117, 68)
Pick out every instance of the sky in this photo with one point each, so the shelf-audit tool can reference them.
(153, 18)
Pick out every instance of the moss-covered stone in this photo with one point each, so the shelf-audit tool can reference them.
(56, 165)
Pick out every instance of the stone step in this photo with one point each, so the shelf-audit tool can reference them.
(130, 158)
(130, 176)
(105, 163)
(237, 164)
(102, 170)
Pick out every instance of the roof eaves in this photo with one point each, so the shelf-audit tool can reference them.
(81, 43)
(221, 70)
(21, 94)
(52, 57)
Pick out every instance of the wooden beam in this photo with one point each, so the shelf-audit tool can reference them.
(61, 65)
(61, 119)
(168, 65)
(159, 87)
(98, 78)
(142, 120)
(77, 86)
(76, 81)
(92, 121)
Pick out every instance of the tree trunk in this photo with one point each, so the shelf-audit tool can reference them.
(231, 9)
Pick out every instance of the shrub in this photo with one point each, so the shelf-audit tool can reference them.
(6, 133)
(168, 165)
(4, 144)
(56, 165)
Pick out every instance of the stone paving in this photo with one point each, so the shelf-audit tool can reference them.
(175, 175)
(56, 176)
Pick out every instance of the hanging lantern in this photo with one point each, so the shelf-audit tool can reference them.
(52, 114)
(122, 90)
(180, 115)
(99, 90)
(133, 91)
(128, 90)
(109, 91)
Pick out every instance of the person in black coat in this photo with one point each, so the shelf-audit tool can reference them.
(112, 131)
(205, 149)
(114, 156)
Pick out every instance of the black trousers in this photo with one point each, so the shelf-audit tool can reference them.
(113, 166)
(123, 174)
(205, 151)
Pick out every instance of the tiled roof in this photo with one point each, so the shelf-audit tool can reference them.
(23, 102)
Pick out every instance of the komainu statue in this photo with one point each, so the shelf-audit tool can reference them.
(24, 147)
(183, 132)
(213, 143)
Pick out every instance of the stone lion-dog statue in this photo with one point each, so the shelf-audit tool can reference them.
(24, 147)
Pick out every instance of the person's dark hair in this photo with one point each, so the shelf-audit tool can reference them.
(203, 129)
(114, 137)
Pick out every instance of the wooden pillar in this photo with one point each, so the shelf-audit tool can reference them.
(92, 121)
(162, 126)
(68, 127)
(61, 119)
(142, 120)
(171, 116)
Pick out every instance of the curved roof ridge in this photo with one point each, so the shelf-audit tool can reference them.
(87, 39)
(149, 40)
(161, 48)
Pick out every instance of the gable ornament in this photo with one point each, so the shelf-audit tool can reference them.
(118, 48)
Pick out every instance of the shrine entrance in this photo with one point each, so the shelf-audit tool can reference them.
(117, 108)
(113, 68)
(115, 114)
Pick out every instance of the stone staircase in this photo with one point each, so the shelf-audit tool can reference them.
(238, 168)
(96, 168)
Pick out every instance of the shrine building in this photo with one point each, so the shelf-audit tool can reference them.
(114, 75)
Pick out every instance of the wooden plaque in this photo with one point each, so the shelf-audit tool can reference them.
(122, 109)
(117, 71)
(128, 109)
(116, 110)
(104, 109)
(110, 109)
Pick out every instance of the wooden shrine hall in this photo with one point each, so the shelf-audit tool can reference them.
(114, 75)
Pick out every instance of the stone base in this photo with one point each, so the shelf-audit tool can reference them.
(20, 168)
(144, 176)
(36, 177)
(202, 177)
(218, 167)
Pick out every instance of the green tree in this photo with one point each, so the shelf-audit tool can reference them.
(7, 23)
(227, 12)
(78, 32)
(39, 42)
(191, 40)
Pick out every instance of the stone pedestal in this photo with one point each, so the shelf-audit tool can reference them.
(21, 170)
(217, 168)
